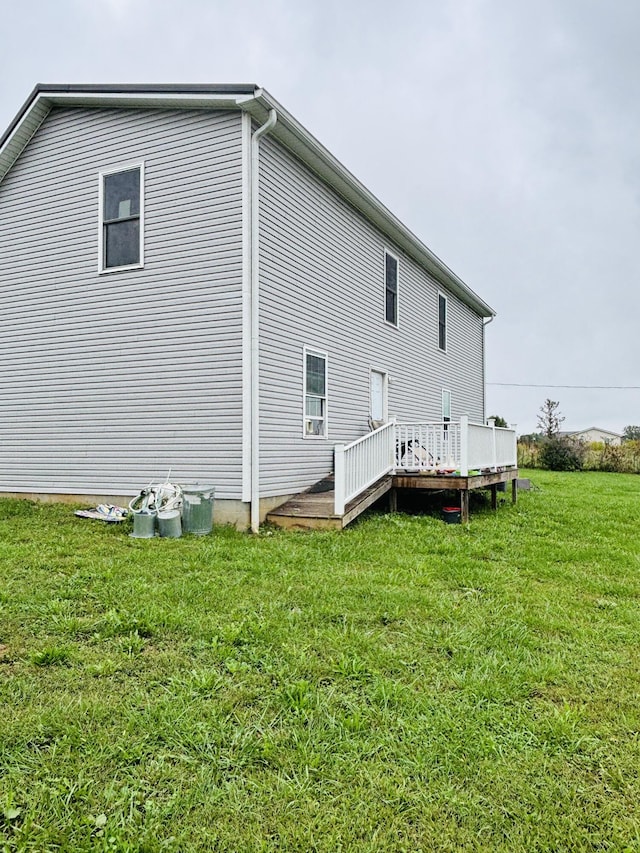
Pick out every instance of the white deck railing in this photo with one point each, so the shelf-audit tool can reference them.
(427, 446)
(461, 446)
(506, 447)
(358, 465)
(414, 447)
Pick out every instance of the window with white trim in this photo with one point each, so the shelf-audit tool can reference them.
(121, 218)
(446, 405)
(442, 322)
(391, 289)
(315, 394)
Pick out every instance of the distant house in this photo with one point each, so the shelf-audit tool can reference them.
(191, 282)
(595, 434)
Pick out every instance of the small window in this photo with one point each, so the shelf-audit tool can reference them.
(315, 394)
(391, 288)
(442, 322)
(121, 194)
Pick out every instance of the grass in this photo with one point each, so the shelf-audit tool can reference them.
(404, 685)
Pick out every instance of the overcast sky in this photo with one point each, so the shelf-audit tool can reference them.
(504, 133)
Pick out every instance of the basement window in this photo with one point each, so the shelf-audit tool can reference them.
(121, 218)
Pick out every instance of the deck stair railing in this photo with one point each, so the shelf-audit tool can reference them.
(358, 465)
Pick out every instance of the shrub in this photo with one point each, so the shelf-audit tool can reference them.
(596, 456)
(560, 453)
(528, 455)
(612, 458)
(632, 453)
(621, 459)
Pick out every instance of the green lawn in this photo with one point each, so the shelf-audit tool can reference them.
(404, 685)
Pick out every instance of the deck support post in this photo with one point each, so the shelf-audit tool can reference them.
(494, 496)
(393, 500)
(514, 491)
(464, 506)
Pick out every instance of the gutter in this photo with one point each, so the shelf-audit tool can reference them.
(254, 262)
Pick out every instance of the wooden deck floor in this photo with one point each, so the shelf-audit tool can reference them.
(464, 485)
(314, 510)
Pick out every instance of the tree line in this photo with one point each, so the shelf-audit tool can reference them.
(549, 448)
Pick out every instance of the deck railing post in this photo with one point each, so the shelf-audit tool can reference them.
(494, 452)
(339, 475)
(391, 443)
(464, 446)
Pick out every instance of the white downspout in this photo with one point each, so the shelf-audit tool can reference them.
(484, 366)
(255, 319)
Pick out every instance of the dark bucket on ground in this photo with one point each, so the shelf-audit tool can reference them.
(451, 514)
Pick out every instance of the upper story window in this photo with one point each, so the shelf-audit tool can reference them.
(315, 394)
(442, 322)
(391, 288)
(121, 218)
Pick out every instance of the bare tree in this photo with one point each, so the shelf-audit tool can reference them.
(550, 419)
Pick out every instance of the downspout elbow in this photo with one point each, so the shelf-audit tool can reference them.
(266, 127)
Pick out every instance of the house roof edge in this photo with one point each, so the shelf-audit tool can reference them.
(258, 102)
(311, 151)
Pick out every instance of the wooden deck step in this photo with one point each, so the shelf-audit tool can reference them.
(313, 510)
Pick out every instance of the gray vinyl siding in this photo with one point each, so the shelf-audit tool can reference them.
(109, 381)
(323, 286)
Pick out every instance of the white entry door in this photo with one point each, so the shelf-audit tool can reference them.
(378, 397)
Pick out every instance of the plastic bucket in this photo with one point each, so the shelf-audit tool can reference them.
(144, 525)
(197, 508)
(451, 514)
(169, 524)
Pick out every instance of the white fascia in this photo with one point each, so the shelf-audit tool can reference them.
(36, 110)
(19, 137)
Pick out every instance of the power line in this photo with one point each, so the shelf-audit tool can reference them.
(588, 387)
